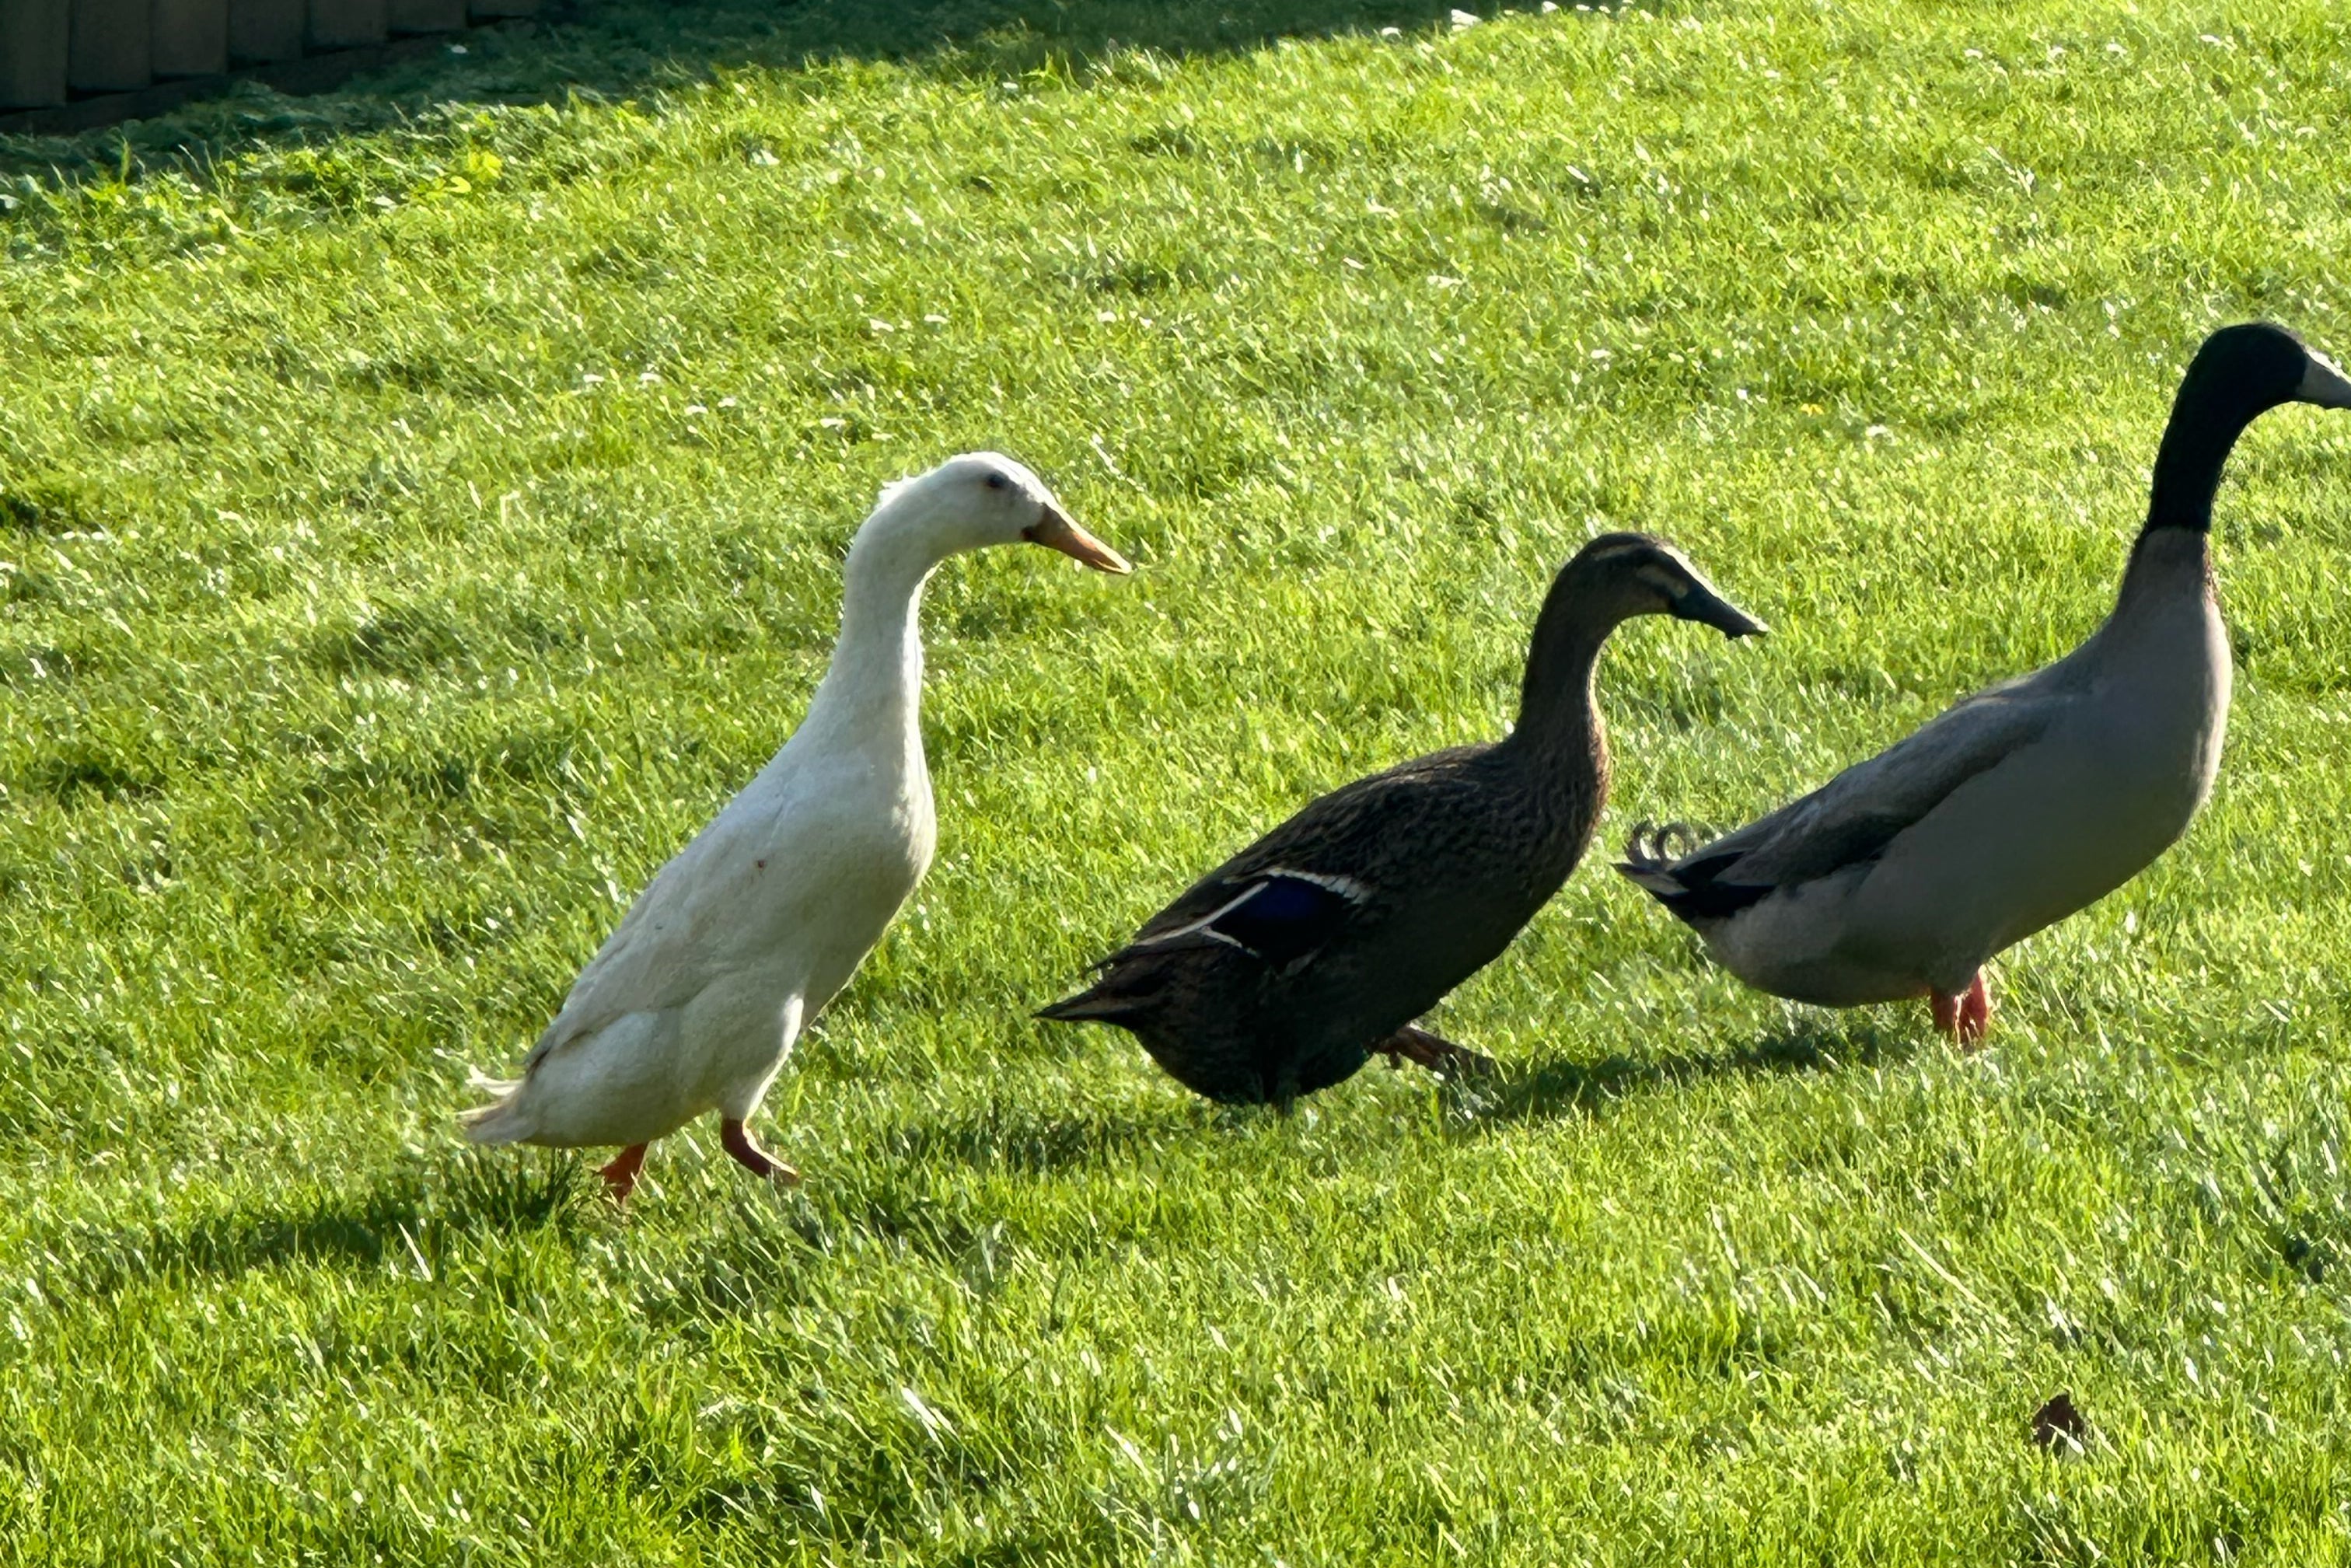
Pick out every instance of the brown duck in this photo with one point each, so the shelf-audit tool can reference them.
(1282, 970)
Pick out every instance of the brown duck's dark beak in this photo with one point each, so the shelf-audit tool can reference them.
(1055, 531)
(1703, 604)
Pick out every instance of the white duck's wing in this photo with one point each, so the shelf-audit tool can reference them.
(685, 928)
(792, 883)
(1855, 816)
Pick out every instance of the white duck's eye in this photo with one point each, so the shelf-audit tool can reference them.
(998, 481)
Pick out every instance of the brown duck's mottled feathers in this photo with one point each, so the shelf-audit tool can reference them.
(1347, 833)
(1275, 974)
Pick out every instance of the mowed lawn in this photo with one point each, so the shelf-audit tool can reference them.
(408, 538)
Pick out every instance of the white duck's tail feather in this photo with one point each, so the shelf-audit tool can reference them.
(503, 1120)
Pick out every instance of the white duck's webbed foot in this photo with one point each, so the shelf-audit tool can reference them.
(736, 1140)
(1975, 1014)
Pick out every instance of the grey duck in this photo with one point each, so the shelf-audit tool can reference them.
(1282, 970)
(2032, 799)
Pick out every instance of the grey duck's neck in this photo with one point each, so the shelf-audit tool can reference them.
(2211, 412)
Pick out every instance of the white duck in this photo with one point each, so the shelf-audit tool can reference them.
(2028, 800)
(695, 1000)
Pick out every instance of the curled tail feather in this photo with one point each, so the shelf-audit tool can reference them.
(1650, 853)
(1689, 887)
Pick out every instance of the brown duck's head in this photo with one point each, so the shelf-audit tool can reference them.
(1630, 574)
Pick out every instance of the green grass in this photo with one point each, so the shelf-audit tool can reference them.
(409, 536)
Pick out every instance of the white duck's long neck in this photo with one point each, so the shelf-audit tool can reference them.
(873, 690)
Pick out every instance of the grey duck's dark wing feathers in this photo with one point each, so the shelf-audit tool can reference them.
(1855, 816)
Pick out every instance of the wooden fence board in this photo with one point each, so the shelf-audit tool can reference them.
(427, 15)
(33, 52)
(263, 30)
(347, 24)
(106, 50)
(189, 37)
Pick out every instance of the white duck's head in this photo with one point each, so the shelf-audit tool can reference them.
(978, 500)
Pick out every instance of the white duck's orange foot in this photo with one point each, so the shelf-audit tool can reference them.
(621, 1175)
(1965, 1016)
(736, 1140)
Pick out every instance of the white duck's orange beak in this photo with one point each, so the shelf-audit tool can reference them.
(1055, 531)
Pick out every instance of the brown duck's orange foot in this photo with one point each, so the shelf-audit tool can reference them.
(1439, 1055)
(737, 1138)
(621, 1175)
(1965, 1017)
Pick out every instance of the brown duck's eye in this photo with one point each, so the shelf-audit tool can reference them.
(996, 482)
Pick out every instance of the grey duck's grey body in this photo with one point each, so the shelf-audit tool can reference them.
(1907, 872)
(1282, 970)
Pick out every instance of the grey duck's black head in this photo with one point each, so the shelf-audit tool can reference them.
(2240, 373)
(1635, 574)
(2257, 365)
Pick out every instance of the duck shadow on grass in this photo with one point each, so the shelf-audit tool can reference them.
(1009, 1137)
(1561, 1088)
(402, 1221)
